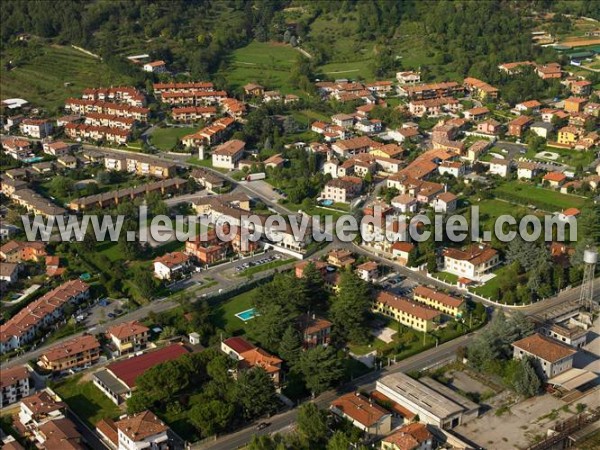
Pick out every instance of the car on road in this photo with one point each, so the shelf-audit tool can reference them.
(111, 315)
(262, 425)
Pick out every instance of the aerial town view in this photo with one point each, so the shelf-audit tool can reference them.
(300, 224)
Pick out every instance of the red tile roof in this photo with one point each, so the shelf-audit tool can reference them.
(360, 409)
(544, 348)
(238, 344)
(129, 369)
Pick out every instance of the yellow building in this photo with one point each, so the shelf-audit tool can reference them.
(575, 104)
(447, 304)
(407, 312)
(568, 135)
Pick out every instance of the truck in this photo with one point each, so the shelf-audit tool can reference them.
(255, 176)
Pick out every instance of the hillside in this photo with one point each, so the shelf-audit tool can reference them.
(50, 73)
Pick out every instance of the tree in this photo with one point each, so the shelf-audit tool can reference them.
(525, 380)
(339, 441)
(290, 346)
(312, 424)
(138, 402)
(320, 367)
(314, 285)
(256, 393)
(350, 308)
(145, 282)
(212, 416)
(431, 262)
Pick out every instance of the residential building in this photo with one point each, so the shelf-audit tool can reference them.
(408, 77)
(23, 327)
(555, 179)
(581, 88)
(407, 312)
(342, 190)
(572, 332)
(517, 127)
(106, 199)
(542, 129)
(434, 403)
(14, 385)
(31, 200)
(17, 148)
(434, 107)
(22, 251)
(445, 303)
(380, 88)
(549, 71)
(454, 168)
(433, 90)
(59, 434)
(489, 126)
(341, 258)
(140, 165)
(533, 106)
(78, 353)
(194, 86)
(343, 120)
(9, 273)
(207, 248)
(568, 135)
(354, 146)
(527, 170)
(575, 104)
(363, 413)
(313, 330)
(208, 180)
(193, 98)
(413, 436)
(500, 167)
(118, 380)
(142, 431)
(249, 356)
(40, 408)
(477, 114)
(56, 148)
(445, 202)
(368, 271)
(480, 89)
(227, 155)
(516, 67)
(128, 337)
(401, 251)
(473, 262)
(155, 67)
(550, 357)
(36, 128)
(189, 114)
(477, 149)
(253, 89)
(405, 203)
(171, 265)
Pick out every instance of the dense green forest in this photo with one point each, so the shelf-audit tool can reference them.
(196, 36)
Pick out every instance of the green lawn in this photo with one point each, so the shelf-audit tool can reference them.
(263, 267)
(266, 63)
(41, 80)
(350, 69)
(223, 316)
(570, 157)
(490, 288)
(447, 277)
(200, 162)
(110, 249)
(86, 400)
(491, 209)
(166, 138)
(541, 197)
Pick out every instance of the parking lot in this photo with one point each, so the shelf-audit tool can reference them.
(264, 189)
(257, 262)
(398, 284)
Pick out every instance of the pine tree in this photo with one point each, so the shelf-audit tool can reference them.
(350, 308)
(314, 286)
(290, 346)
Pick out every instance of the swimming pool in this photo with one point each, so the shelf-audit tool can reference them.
(247, 315)
(327, 202)
(33, 159)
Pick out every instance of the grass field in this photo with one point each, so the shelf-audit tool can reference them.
(86, 400)
(41, 80)
(352, 69)
(572, 158)
(224, 317)
(265, 63)
(166, 138)
(529, 194)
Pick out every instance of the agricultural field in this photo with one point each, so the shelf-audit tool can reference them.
(52, 73)
(266, 63)
(166, 138)
(527, 194)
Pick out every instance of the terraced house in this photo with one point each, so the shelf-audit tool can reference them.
(445, 303)
(409, 313)
(40, 314)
